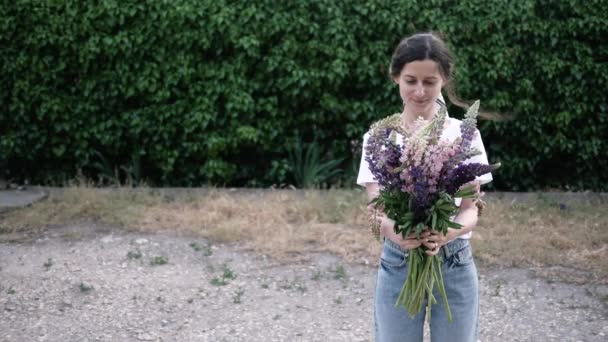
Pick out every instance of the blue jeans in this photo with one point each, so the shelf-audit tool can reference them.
(461, 285)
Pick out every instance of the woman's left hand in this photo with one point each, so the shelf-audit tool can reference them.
(434, 241)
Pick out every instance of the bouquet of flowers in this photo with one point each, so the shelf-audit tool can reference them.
(419, 181)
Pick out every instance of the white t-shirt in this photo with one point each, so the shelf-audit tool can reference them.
(450, 133)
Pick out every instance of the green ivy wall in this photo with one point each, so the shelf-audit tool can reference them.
(192, 92)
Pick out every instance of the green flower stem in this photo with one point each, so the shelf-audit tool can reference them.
(424, 273)
(441, 288)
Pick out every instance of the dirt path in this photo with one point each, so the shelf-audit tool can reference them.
(86, 283)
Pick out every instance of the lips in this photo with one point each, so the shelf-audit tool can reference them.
(419, 103)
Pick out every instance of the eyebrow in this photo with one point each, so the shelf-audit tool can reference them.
(427, 78)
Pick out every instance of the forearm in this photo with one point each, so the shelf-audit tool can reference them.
(467, 218)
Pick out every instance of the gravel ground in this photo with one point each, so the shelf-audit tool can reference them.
(89, 283)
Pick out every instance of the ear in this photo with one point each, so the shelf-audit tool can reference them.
(396, 79)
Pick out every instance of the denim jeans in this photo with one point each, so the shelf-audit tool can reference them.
(461, 285)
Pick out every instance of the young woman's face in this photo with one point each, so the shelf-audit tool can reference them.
(420, 84)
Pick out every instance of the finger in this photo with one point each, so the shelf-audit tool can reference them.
(430, 244)
(410, 244)
(434, 238)
(431, 252)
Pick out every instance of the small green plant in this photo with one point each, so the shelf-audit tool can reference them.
(309, 170)
(218, 281)
(134, 254)
(10, 290)
(195, 246)
(206, 249)
(227, 274)
(338, 300)
(316, 276)
(159, 260)
(85, 288)
(48, 264)
(339, 272)
(238, 296)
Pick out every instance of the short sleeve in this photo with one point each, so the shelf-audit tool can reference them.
(480, 158)
(365, 175)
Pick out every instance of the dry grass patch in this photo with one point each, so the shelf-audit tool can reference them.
(278, 223)
(289, 224)
(543, 232)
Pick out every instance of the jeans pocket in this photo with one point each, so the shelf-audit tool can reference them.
(392, 257)
(464, 256)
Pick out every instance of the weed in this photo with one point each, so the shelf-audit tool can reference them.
(338, 300)
(195, 246)
(48, 264)
(85, 288)
(159, 260)
(218, 281)
(316, 275)
(134, 254)
(10, 290)
(339, 272)
(238, 295)
(227, 274)
(206, 249)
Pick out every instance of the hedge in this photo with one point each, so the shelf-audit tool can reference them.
(192, 92)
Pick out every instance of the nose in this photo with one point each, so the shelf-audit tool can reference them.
(419, 91)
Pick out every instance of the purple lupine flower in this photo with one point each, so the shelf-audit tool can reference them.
(421, 199)
(463, 174)
(383, 156)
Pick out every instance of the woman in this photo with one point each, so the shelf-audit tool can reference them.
(422, 66)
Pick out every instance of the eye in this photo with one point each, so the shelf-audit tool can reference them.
(410, 81)
(430, 83)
